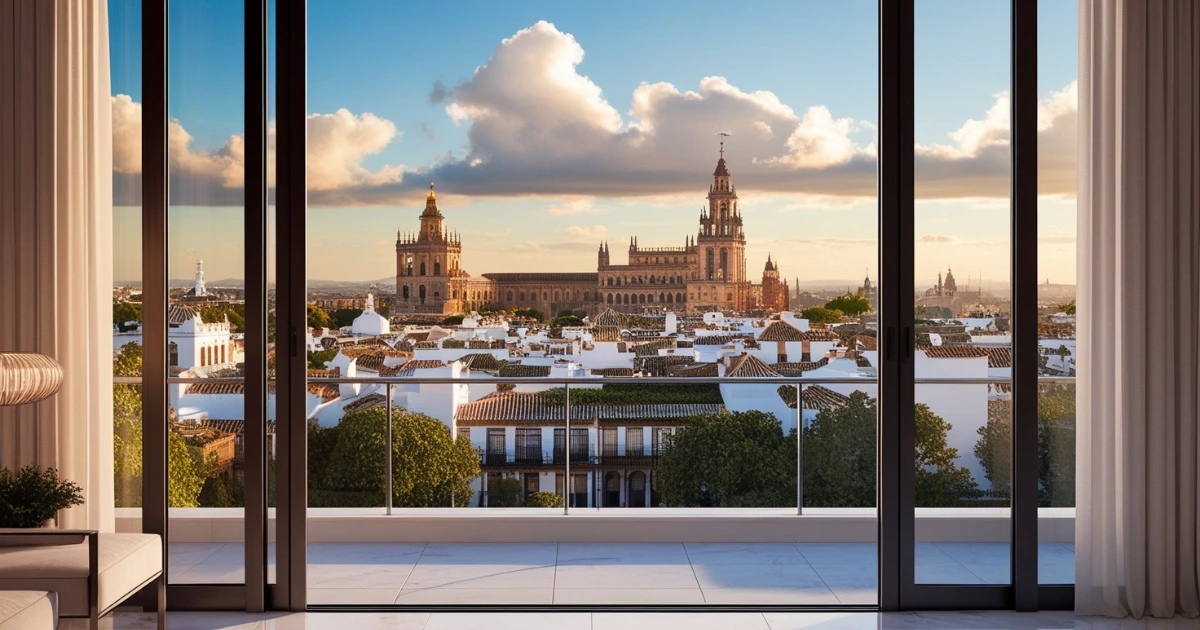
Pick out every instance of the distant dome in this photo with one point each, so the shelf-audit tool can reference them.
(180, 313)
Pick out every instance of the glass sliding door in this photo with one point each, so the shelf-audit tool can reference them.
(485, 374)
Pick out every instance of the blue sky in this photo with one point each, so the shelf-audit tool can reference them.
(385, 58)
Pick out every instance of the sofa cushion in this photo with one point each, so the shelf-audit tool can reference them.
(28, 610)
(126, 562)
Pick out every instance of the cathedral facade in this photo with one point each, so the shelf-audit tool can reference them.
(707, 273)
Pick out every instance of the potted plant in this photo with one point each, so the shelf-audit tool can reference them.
(32, 496)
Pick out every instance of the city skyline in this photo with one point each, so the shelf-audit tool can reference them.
(527, 193)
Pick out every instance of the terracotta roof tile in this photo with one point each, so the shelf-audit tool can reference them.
(749, 366)
(798, 368)
(370, 401)
(781, 331)
(698, 370)
(518, 370)
(816, 397)
(713, 340)
(999, 357)
(953, 352)
(534, 408)
(613, 371)
(866, 342)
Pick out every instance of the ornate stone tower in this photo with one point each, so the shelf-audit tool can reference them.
(721, 274)
(426, 261)
(774, 292)
(602, 257)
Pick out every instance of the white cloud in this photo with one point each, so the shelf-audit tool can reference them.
(537, 125)
(938, 238)
(337, 145)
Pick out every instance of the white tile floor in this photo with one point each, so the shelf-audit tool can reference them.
(611, 573)
(632, 621)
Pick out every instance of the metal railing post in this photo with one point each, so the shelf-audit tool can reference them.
(567, 448)
(388, 452)
(799, 449)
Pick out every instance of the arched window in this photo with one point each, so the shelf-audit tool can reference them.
(670, 298)
(610, 298)
(729, 297)
(410, 265)
(610, 282)
(436, 294)
(545, 296)
(522, 294)
(421, 293)
(650, 298)
(662, 297)
(422, 267)
(437, 267)
(724, 264)
(651, 279)
(222, 354)
(678, 297)
(510, 296)
(556, 294)
(626, 298)
(710, 269)
(404, 291)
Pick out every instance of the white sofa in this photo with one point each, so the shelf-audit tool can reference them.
(28, 610)
(91, 573)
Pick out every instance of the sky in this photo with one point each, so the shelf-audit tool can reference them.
(550, 126)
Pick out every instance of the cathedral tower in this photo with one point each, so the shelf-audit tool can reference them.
(722, 246)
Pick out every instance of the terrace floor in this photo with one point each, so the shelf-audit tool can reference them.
(612, 573)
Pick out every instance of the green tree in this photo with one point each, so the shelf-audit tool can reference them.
(852, 305)
(821, 315)
(452, 320)
(317, 317)
(345, 316)
(566, 320)
(125, 312)
(1056, 447)
(544, 499)
(431, 468)
(505, 493)
(739, 459)
(840, 458)
(216, 313)
(528, 313)
(185, 474)
(317, 358)
(1068, 308)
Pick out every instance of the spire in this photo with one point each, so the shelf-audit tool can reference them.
(431, 209)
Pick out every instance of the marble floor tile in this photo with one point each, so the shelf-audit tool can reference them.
(609, 596)
(831, 621)
(364, 553)
(691, 621)
(345, 621)
(489, 553)
(358, 575)
(478, 576)
(757, 576)
(622, 576)
(476, 596)
(352, 596)
(743, 553)
(816, 596)
(839, 554)
(621, 553)
(518, 621)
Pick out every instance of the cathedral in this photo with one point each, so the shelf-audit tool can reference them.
(707, 273)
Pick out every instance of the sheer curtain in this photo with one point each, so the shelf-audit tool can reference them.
(56, 239)
(1139, 309)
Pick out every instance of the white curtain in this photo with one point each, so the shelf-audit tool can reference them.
(56, 239)
(1138, 488)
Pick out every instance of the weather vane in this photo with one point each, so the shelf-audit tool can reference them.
(723, 134)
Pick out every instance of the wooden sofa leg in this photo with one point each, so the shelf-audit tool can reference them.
(161, 585)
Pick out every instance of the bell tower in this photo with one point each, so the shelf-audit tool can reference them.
(722, 244)
(431, 219)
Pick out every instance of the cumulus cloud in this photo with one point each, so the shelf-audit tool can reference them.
(537, 124)
(337, 145)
